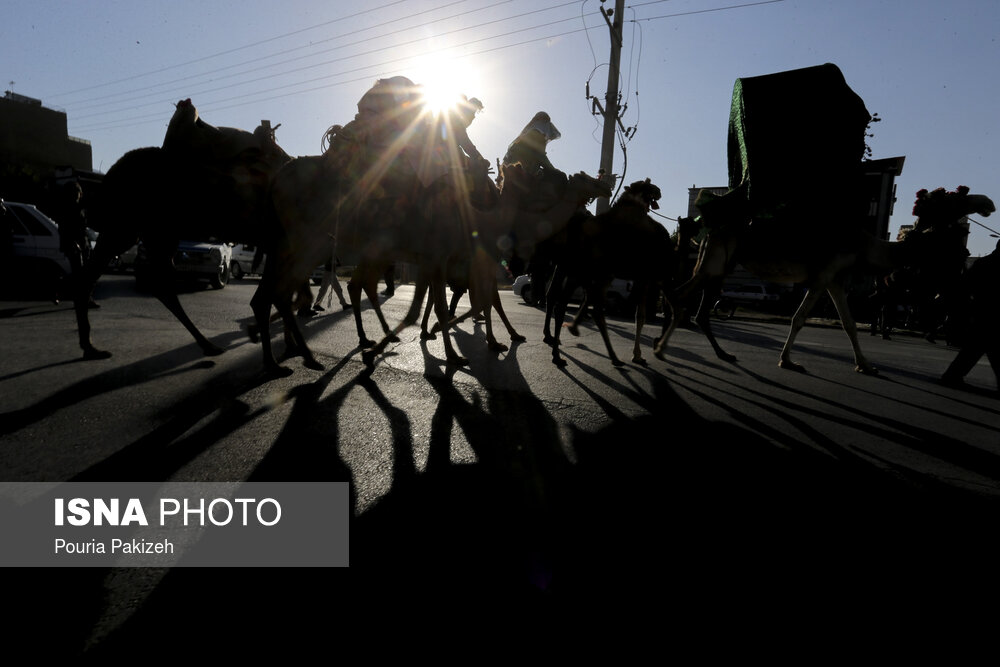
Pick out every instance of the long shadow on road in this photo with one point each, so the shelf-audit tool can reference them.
(649, 522)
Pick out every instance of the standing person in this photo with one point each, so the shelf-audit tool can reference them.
(982, 283)
(330, 280)
(73, 241)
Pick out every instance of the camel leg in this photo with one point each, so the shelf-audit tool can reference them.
(438, 287)
(425, 333)
(164, 289)
(704, 318)
(640, 322)
(675, 300)
(482, 288)
(861, 364)
(556, 302)
(581, 313)
(260, 303)
(354, 289)
(498, 306)
(555, 287)
(420, 290)
(365, 278)
(798, 321)
(295, 343)
(597, 310)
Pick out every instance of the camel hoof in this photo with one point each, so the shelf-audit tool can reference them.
(639, 361)
(253, 334)
(792, 366)
(573, 329)
(92, 354)
(392, 338)
(866, 370)
(368, 357)
(424, 335)
(211, 349)
(617, 362)
(548, 340)
(313, 364)
(365, 343)
(345, 305)
(517, 338)
(277, 371)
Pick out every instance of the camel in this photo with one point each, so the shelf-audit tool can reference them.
(819, 256)
(161, 195)
(315, 201)
(483, 233)
(527, 233)
(623, 242)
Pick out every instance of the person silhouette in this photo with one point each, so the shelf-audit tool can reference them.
(982, 285)
(73, 241)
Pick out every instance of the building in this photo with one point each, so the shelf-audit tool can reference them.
(36, 150)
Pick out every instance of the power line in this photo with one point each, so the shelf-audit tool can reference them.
(299, 48)
(364, 53)
(213, 105)
(233, 50)
(705, 11)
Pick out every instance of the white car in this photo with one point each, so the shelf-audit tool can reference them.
(616, 298)
(35, 238)
(193, 259)
(242, 261)
(751, 293)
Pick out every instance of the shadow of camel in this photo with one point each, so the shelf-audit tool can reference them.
(548, 525)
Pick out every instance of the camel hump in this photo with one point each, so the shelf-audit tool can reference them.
(188, 136)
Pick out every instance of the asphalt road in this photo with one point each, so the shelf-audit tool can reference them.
(639, 497)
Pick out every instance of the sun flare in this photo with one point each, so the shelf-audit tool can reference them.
(440, 96)
(441, 83)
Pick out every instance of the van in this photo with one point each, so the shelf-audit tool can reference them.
(242, 262)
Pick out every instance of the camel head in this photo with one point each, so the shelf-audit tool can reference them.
(688, 228)
(941, 208)
(645, 192)
(587, 187)
(722, 210)
(185, 112)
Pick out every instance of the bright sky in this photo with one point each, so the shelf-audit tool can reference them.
(926, 67)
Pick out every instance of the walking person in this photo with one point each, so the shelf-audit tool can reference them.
(982, 285)
(330, 280)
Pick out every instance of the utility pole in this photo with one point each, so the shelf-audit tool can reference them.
(610, 110)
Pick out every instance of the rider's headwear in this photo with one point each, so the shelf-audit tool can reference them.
(542, 124)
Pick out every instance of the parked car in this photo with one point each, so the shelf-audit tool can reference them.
(125, 262)
(756, 294)
(616, 299)
(199, 260)
(38, 261)
(242, 261)
(752, 293)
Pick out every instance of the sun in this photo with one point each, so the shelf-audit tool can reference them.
(441, 82)
(440, 96)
